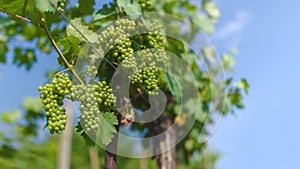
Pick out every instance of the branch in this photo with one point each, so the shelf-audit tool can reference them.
(19, 17)
(69, 66)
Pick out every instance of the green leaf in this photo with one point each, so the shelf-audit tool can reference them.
(84, 136)
(209, 53)
(177, 109)
(24, 58)
(15, 7)
(85, 34)
(102, 15)
(45, 5)
(243, 84)
(189, 6)
(175, 46)
(212, 10)
(20, 7)
(3, 49)
(106, 12)
(11, 116)
(71, 48)
(5, 22)
(86, 6)
(131, 7)
(172, 84)
(110, 118)
(189, 58)
(106, 130)
(204, 23)
(189, 144)
(228, 62)
(32, 104)
(190, 104)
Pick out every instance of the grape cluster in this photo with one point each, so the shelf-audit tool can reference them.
(129, 65)
(121, 41)
(61, 5)
(151, 58)
(52, 96)
(105, 97)
(91, 71)
(150, 61)
(145, 3)
(117, 39)
(90, 112)
(154, 38)
(94, 99)
(148, 79)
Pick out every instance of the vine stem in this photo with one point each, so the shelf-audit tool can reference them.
(44, 27)
(62, 71)
(20, 17)
(69, 66)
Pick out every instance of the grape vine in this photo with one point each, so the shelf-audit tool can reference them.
(136, 44)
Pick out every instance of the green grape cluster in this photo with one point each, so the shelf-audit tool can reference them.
(52, 96)
(154, 38)
(90, 112)
(91, 71)
(145, 3)
(61, 5)
(151, 58)
(144, 69)
(117, 38)
(129, 65)
(105, 97)
(94, 99)
(148, 79)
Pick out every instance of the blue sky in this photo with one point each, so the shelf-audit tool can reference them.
(266, 133)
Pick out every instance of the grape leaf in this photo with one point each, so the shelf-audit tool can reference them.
(20, 7)
(106, 129)
(172, 84)
(243, 84)
(102, 15)
(86, 6)
(71, 49)
(104, 12)
(88, 141)
(45, 5)
(31, 104)
(15, 7)
(24, 58)
(85, 34)
(204, 23)
(4, 22)
(228, 62)
(84, 136)
(212, 10)
(209, 53)
(11, 116)
(189, 58)
(131, 7)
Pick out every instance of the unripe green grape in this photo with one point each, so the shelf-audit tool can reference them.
(52, 96)
(61, 5)
(145, 4)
